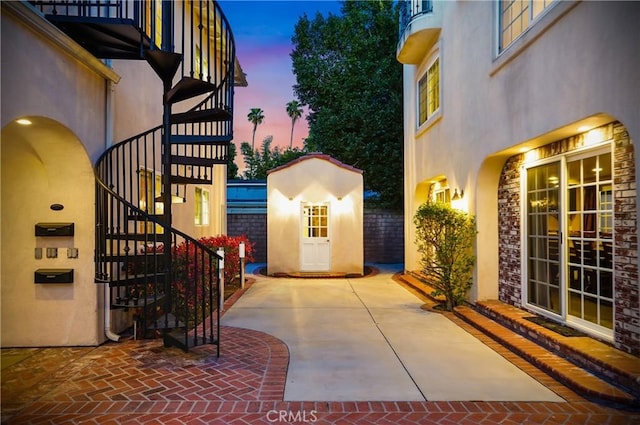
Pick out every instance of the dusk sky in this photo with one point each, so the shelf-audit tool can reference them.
(263, 31)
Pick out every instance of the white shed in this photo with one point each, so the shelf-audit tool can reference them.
(315, 217)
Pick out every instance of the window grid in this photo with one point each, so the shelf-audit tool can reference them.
(543, 236)
(516, 16)
(316, 221)
(590, 244)
(429, 93)
(202, 207)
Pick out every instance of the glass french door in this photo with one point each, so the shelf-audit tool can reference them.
(590, 239)
(543, 237)
(569, 239)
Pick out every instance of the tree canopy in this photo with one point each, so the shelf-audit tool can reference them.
(347, 74)
(232, 167)
(259, 161)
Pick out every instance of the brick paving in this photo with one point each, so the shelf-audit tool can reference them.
(142, 382)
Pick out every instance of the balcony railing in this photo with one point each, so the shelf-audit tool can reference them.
(410, 9)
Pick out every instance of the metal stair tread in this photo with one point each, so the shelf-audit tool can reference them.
(142, 217)
(171, 320)
(104, 37)
(190, 180)
(134, 236)
(571, 375)
(197, 139)
(204, 115)
(134, 279)
(139, 302)
(187, 88)
(137, 256)
(192, 160)
(177, 336)
(165, 64)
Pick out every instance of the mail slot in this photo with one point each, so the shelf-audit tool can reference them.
(54, 229)
(53, 276)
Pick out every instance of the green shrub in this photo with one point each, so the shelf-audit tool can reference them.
(445, 238)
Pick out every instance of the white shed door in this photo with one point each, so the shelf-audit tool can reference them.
(315, 243)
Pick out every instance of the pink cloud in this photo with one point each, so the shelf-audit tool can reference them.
(270, 87)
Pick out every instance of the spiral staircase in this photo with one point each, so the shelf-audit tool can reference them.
(168, 280)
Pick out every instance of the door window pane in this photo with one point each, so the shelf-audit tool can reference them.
(590, 228)
(316, 221)
(543, 226)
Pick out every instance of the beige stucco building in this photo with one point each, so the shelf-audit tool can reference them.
(530, 110)
(74, 106)
(315, 217)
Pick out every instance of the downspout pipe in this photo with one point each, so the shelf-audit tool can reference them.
(108, 125)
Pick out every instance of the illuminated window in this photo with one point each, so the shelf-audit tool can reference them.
(154, 25)
(429, 92)
(202, 207)
(316, 221)
(150, 190)
(440, 192)
(516, 16)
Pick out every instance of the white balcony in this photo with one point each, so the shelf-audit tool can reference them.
(420, 25)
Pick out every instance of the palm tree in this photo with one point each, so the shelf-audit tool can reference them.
(255, 116)
(294, 111)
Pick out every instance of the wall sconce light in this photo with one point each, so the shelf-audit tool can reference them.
(457, 200)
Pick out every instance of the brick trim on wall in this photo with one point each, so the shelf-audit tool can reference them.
(627, 297)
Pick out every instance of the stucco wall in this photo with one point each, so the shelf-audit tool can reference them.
(577, 62)
(314, 180)
(42, 164)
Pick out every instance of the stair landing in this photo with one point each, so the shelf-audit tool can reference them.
(593, 369)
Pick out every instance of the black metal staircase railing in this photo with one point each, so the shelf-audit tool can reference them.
(167, 278)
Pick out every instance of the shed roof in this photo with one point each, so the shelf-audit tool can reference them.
(317, 155)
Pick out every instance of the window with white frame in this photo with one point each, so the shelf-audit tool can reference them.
(440, 192)
(202, 207)
(429, 92)
(515, 16)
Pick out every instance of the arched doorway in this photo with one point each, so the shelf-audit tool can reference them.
(47, 177)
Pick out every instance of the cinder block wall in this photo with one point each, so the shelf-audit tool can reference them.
(254, 227)
(383, 235)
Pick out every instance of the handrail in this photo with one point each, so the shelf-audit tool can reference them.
(120, 9)
(130, 229)
(411, 9)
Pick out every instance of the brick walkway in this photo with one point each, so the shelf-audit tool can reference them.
(141, 382)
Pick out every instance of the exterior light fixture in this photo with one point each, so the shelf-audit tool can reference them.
(457, 197)
(24, 121)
